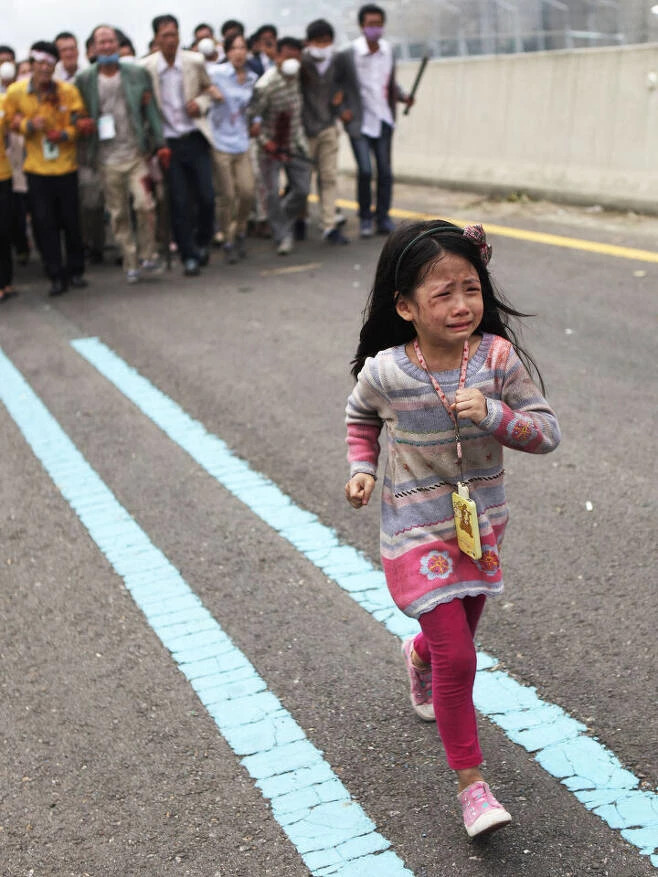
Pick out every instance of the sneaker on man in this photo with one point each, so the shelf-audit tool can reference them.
(385, 225)
(285, 245)
(420, 682)
(339, 218)
(366, 228)
(132, 276)
(152, 266)
(191, 268)
(482, 813)
(230, 254)
(335, 236)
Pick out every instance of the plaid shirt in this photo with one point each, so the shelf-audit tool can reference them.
(277, 104)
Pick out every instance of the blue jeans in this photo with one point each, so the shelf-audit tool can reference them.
(381, 146)
(191, 194)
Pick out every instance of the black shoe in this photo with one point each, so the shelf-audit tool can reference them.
(204, 256)
(191, 267)
(77, 281)
(58, 287)
(299, 230)
(385, 225)
(335, 237)
(230, 255)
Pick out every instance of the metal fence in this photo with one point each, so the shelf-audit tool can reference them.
(444, 28)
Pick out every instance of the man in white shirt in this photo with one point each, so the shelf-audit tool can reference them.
(184, 92)
(67, 66)
(365, 75)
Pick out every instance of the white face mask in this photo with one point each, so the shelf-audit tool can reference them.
(207, 47)
(290, 67)
(321, 53)
(7, 71)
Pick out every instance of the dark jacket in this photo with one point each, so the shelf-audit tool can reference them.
(318, 91)
(143, 109)
(255, 63)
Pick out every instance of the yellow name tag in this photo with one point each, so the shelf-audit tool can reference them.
(466, 522)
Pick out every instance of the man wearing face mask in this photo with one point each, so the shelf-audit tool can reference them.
(319, 114)
(16, 155)
(6, 264)
(127, 128)
(275, 114)
(208, 48)
(7, 68)
(365, 74)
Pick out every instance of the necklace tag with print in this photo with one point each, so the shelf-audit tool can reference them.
(50, 150)
(106, 127)
(466, 522)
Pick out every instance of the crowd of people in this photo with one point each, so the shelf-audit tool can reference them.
(184, 149)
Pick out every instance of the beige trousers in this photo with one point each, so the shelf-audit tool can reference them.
(324, 151)
(236, 192)
(121, 182)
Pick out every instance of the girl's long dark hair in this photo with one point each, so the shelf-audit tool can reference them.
(383, 327)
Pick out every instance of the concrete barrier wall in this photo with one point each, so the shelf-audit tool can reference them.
(577, 125)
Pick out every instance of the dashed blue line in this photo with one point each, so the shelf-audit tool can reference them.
(332, 833)
(559, 742)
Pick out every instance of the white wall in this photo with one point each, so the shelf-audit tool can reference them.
(577, 125)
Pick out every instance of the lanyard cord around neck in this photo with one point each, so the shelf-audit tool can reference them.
(443, 398)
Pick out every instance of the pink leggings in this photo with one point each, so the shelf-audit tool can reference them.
(446, 642)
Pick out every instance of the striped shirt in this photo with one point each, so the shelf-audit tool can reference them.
(420, 555)
(277, 103)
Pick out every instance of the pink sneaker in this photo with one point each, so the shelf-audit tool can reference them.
(482, 813)
(421, 685)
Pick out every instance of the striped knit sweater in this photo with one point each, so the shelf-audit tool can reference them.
(422, 562)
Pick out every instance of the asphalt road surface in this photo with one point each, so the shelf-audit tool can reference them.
(112, 765)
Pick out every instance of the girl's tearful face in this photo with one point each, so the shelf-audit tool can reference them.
(447, 307)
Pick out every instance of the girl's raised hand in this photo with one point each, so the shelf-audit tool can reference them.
(470, 404)
(358, 489)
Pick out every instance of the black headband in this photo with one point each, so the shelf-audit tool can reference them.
(473, 233)
(423, 234)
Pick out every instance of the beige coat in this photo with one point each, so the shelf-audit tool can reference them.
(195, 84)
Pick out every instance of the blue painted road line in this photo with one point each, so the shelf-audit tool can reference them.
(559, 743)
(330, 830)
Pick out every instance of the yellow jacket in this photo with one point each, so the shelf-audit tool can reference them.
(5, 167)
(60, 110)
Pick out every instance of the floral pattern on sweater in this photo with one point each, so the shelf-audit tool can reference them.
(417, 523)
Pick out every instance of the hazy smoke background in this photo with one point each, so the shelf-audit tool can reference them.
(439, 27)
(23, 23)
